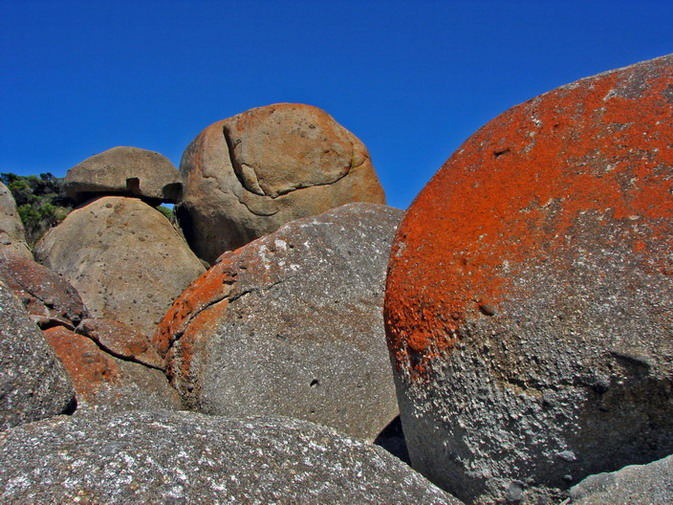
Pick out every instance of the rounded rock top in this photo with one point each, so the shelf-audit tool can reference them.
(125, 171)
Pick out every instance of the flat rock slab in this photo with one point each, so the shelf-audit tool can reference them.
(33, 383)
(48, 297)
(291, 324)
(124, 258)
(124, 171)
(529, 301)
(102, 380)
(650, 484)
(247, 175)
(147, 458)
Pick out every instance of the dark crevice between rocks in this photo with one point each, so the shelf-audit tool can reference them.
(392, 440)
(70, 408)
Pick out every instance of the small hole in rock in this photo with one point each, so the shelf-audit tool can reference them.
(315, 383)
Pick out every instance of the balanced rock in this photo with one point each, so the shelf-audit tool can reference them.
(102, 379)
(291, 324)
(529, 301)
(650, 484)
(153, 458)
(124, 258)
(33, 383)
(247, 175)
(128, 171)
(49, 298)
(12, 235)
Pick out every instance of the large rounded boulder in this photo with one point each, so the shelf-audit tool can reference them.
(291, 324)
(128, 171)
(124, 258)
(33, 383)
(153, 458)
(529, 301)
(247, 175)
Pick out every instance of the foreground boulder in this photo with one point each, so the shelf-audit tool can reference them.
(12, 236)
(125, 171)
(160, 457)
(49, 299)
(291, 325)
(529, 302)
(247, 175)
(33, 383)
(650, 484)
(103, 379)
(124, 258)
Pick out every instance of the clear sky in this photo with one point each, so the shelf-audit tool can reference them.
(412, 79)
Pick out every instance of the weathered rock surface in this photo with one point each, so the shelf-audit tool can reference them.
(125, 171)
(12, 236)
(529, 301)
(104, 380)
(650, 484)
(148, 458)
(121, 340)
(291, 324)
(247, 175)
(124, 258)
(48, 298)
(33, 383)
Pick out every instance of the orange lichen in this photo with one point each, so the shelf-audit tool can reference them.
(513, 191)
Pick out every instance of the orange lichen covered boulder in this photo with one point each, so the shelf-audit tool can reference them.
(247, 175)
(102, 379)
(529, 301)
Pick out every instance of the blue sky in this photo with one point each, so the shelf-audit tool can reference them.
(412, 79)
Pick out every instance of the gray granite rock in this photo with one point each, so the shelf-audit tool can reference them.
(291, 324)
(124, 258)
(650, 484)
(33, 383)
(125, 171)
(146, 458)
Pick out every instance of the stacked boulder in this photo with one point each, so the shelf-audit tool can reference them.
(12, 236)
(529, 301)
(247, 175)
(292, 324)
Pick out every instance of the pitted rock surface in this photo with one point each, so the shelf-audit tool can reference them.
(249, 174)
(650, 484)
(103, 380)
(291, 324)
(529, 301)
(48, 298)
(33, 383)
(152, 458)
(122, 341)
(12, 235)
(124, 258)
(127, 171)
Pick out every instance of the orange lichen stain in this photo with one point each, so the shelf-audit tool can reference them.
(512, 192)
(87, 366)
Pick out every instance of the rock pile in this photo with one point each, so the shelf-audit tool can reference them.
(529, 303)
(528, 315)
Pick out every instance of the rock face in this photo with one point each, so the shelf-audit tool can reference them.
(292, 323)
(126, 171)
(650, 484)
(124, 258)
(529, 301)
(247, 175)
(12, 237)
(49, 299)
(159, 457)
(33, 383)
(104, 380)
